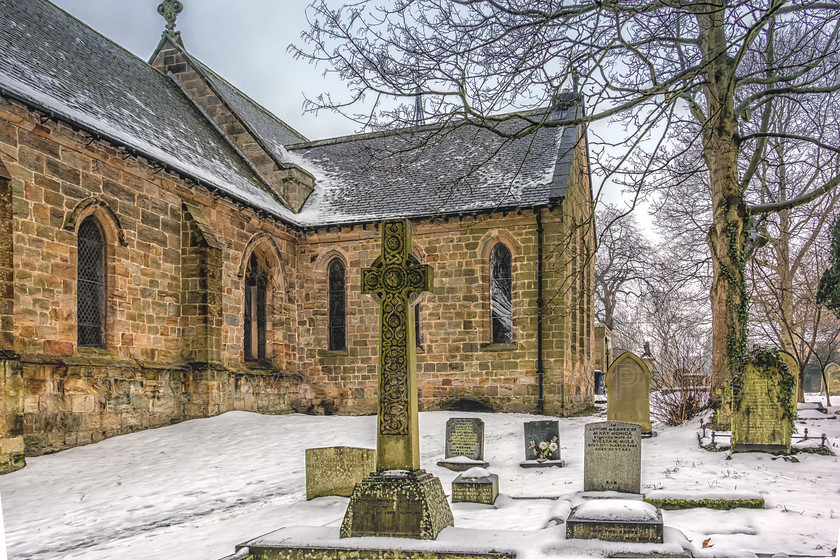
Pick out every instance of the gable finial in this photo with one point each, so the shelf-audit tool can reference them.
(170, 9)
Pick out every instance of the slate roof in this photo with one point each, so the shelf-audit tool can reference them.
(53, 62)
(273, 133)
(430, 171)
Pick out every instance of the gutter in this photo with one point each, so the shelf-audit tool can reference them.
(540, 310)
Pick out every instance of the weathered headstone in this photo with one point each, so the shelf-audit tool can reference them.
(399, 499)
(628, 392)
(464, 445)
(764, 404)
(334, 471)
(476, 485)
(832, 374)
(612, 457)
(616, 520)
(542, 444)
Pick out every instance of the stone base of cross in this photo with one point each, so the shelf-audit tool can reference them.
(398, 499)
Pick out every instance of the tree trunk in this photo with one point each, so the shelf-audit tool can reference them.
(727, 235)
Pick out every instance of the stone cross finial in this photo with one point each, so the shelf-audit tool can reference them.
(170, 9)
(395, 277)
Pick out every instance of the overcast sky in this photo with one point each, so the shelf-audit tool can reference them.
(244, 41)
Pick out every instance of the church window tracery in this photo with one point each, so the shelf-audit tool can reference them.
(337, 306)
(256, 288)
(501, 283)
(90, 296)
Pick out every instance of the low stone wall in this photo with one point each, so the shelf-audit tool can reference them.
(76, 402)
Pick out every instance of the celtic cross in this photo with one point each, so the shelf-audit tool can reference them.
(170, 9)
(395, 277)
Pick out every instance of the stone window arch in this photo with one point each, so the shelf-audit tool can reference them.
(256, 299)
(91, 289)
(501, 294)
(337, 297)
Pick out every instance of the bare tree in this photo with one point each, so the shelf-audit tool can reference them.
(664, 68)
(829, 288)
(623, 263)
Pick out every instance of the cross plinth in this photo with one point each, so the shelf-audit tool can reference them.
(395, 277)
(399, 499)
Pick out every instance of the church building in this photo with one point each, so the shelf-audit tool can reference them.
(170, 249)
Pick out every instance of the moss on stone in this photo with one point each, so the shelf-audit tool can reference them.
(721, 504)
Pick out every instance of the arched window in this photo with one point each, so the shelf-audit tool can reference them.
(501, 310)
(256, 284)
(337, 303)
(90, 296)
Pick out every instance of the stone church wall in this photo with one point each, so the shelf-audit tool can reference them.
(174, 302)
(176, 257)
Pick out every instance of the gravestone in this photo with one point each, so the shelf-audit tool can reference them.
(399, 499)
(612, 457)
(464, 446)
(334, 471)
(616, 520)
(477, 485)
(542, 444)
(763, 405)
(832, 374)
(628, 392)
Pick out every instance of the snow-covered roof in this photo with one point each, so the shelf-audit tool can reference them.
(53, 62)
(437, 170)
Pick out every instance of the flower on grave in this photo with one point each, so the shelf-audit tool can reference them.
(544, 449)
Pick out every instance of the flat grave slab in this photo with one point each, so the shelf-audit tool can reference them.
(713, 500)
(616, 521)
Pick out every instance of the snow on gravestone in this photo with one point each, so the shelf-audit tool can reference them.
(612, 457)
(464, 444)
(476, 485)
(542, 444)
(616, 520)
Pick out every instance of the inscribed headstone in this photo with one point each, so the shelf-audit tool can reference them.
(464, 445)
(612, 457)
(334, 471)
(764, 404)
(832, 374)
(628, 391)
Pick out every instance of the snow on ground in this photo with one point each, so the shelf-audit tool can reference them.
(196, 489)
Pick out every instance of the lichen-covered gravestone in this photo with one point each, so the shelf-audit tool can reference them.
(464, 445)
(542, 444)
(334, 471)
(628, 392)
(612, 457)
(764, 404)
(793, 364)
(477, 485)
(399, 499)
(832, 374)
